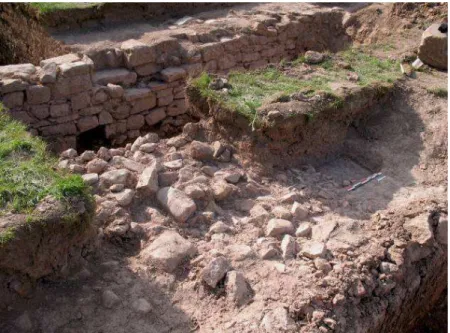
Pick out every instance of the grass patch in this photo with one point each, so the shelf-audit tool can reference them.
(27, 170)
(48, 7)
(252, 89)
(439, 92)
(7, 236)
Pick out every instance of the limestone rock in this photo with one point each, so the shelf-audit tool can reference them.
(221, 190)
(433, 49)
(288, 247)
(177, 203)
(420, 229)
(237, 288)
(278, 320)
(168, 251)
(110, 299)
(215, 271)
(313, 249)
(303, 230)
(141, 305)
(313, 57)
(97, 165)
(148, 180)
(201, 151)
(125, 197)
(298, 211)
(279, 227)
(119, 176)
(90, 178)
(281, 213)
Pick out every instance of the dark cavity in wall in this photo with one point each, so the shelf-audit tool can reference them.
(92, 139)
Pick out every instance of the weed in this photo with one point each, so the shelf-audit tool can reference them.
(27, 170)
(439, 92)
(7, 235)
(47, 7)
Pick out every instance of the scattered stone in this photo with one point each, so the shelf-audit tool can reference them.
(174, 165)
(313, 57)
(69, 153)
(313, 249)
(148, 147)
(420, 229)
(168, 251)
(177, 203)
(303, 230)
(194, 192)
(117, 188)
(201, 151)
(442, 230)
(90, 178)
(142, 306)
(237, 288)
(221, 190)
(112, 177)
(279, 227)
(167, 178)
(232, 177)
(352, 76)
(278, 320)
(110, 299)
(289, 247)
(220, 228)
(104, 154)
(322, 265)
(148, 180)
(88, 155)
(298, 211)
(269, 252)
(215, 271)
(97, 165)
(125, 197)
(433, 49)
(281, 213)
(209, 170)
(176, 141)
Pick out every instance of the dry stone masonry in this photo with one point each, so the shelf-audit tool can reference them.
(139, 86)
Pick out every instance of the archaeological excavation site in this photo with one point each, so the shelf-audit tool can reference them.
(223, 167)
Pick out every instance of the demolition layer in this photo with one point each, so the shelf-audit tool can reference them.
(198, 237)
(204, 243)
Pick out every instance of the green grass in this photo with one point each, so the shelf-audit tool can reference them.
(439, 92)
(250, 90)
(27, 170)
(48, 7)
(7, 235)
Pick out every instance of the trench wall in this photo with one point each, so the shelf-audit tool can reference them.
(140, 86)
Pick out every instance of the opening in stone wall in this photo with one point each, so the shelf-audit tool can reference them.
(92, 139)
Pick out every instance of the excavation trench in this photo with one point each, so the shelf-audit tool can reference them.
(384, 259)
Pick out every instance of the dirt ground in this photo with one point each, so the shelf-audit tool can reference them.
(405, 139)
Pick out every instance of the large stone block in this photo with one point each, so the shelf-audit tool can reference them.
(40, 111)
(38, 94)
(86, 123)
(212, 51)
(137, 53)
(12, 70)
(135, 122)
(12, 85)
(155, 116)
(147, 69)
(59, 110)
(433, 49)
(144, 104)
(115, 76)
(68, 86)
(178, 107)
(80, 101)
(136, 93)
(13, 100)
(173, 73)
(74, 68)
(66, 58)
(177, 203)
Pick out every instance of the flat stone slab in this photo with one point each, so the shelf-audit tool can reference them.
(168, 251)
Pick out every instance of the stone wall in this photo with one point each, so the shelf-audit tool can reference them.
(140, 86)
